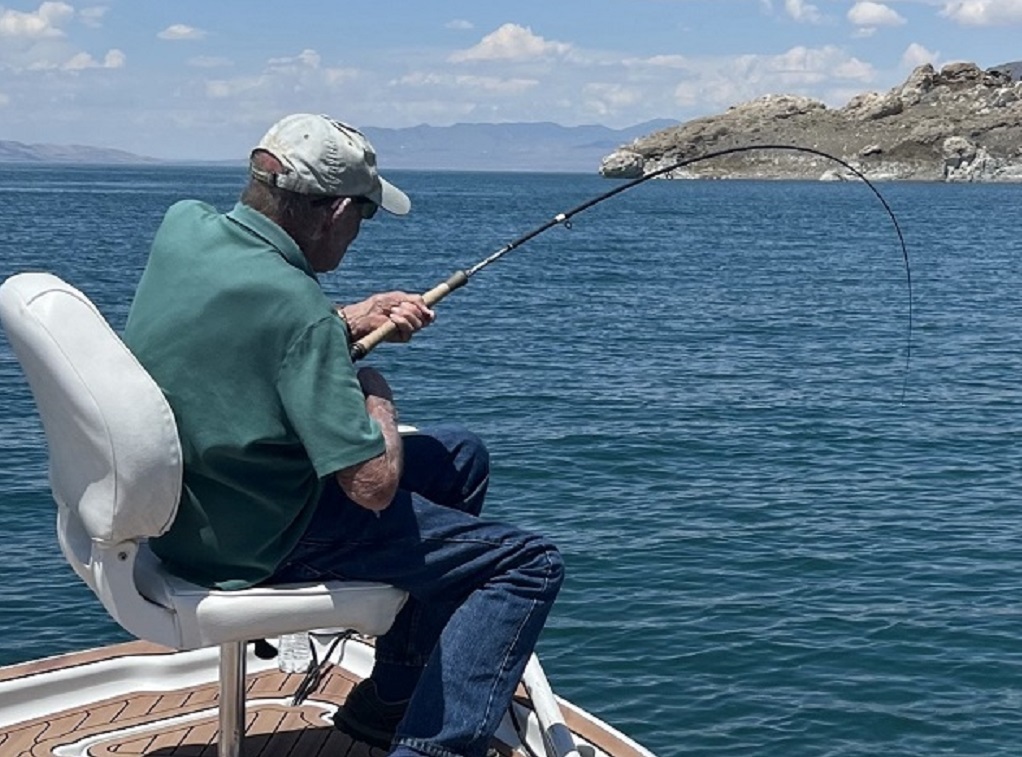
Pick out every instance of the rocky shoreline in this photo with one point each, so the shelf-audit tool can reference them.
(961, 124)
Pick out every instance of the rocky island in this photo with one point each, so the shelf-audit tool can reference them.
(959, 124)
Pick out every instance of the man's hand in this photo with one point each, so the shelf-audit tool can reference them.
(408, 313)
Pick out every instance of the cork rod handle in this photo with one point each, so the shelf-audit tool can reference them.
(369, 342)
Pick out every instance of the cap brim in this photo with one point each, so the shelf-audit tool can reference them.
(392, 199)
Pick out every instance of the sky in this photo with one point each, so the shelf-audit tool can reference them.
(204, 79)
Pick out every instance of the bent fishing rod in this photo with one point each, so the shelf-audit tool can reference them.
(366, 344)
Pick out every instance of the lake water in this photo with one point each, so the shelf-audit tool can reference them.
(780, 539)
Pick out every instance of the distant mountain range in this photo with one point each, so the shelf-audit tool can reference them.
(461, 147)
(19, 152)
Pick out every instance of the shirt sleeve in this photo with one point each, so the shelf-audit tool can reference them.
(324, 401)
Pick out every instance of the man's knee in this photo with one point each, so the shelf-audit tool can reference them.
(465, 445)
(469, 462)
(556, 569)
(461, 447)
(546, 564)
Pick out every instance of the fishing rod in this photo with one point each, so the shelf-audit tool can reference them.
(458, 279)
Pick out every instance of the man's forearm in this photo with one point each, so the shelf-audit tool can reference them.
(374, 483)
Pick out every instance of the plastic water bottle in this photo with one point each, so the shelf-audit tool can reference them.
(294, 653)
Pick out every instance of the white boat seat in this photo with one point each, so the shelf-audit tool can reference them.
(115, 473)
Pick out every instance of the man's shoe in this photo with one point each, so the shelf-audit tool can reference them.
(366, 717)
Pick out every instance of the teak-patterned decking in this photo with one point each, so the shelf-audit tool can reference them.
(183, 722)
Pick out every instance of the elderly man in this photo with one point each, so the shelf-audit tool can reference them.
(294, 469)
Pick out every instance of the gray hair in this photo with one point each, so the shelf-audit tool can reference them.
(293, 212)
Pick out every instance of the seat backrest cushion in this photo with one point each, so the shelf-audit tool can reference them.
(115, 457)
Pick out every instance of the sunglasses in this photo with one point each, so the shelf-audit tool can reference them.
(365, 206)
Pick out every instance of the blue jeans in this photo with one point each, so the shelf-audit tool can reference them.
(479, 592)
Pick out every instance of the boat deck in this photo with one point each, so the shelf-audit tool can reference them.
(62, 707)
(183, 723)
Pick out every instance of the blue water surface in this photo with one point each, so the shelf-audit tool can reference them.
(782, 536)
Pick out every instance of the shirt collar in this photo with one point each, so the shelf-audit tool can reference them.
(261, 226)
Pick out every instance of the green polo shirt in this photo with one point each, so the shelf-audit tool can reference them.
(231, 322)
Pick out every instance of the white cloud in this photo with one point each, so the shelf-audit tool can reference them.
(44, 22)
(807, 64)
(4, 100)
(493, 84)
(511, 42)
(872, 15)
(81, 61)
(113, 59)
(335, 76)
(984, 12)
(823, 73)
(916, 55)
(460, 24)
(36, 41)
(854, 69)
(419, 79)
(602, 98)
(802, 11)
(296, 79)
(207, 61)
(662, 61)
(178, 32)
(305, 59)
(496, 85)
(219, 89)
(478, 84)
(93, 16)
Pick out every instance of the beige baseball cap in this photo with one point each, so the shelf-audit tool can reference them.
(322, 156)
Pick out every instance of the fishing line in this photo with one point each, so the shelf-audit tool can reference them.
(458, 279)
